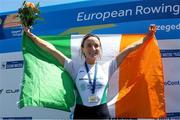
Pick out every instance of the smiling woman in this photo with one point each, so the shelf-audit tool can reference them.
(91, 48)
(86, 76)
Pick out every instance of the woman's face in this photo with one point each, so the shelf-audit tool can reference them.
(92, 48)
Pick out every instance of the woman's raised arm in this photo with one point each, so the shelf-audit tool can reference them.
(46, 46)
(120, 57)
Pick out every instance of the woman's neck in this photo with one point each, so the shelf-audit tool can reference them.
(90, 62)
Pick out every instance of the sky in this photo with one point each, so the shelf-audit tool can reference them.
(13, 5)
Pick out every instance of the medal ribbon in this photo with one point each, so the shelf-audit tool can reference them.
(93, 84)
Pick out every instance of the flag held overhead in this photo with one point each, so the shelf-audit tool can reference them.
(138, 83)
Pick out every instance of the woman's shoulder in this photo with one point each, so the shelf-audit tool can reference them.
(108, 63)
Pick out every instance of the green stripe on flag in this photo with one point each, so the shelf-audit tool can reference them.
(45, 83)
(62, 43)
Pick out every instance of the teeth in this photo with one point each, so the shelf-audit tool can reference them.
(92, 53)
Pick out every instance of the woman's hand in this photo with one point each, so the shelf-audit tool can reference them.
(152, 31)
(26, 29)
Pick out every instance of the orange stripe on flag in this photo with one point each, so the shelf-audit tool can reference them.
(141, 82)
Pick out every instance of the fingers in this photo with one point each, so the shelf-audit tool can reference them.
(26, 29)
(151, 32)
(152, 28)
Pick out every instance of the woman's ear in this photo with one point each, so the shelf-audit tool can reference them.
(82, 51)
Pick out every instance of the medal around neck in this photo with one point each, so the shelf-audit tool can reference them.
(93, 99)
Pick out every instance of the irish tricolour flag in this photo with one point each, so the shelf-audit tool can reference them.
(136, 89)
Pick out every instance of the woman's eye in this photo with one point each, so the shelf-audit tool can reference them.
(89, 45)
(93, 45)
(96, 45)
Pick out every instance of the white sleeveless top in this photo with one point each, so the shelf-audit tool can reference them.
(84, 92)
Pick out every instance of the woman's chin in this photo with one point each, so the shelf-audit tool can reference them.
(92, 58)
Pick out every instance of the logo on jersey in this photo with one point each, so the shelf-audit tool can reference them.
(83, 87)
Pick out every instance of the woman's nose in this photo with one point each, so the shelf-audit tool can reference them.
(93, 47)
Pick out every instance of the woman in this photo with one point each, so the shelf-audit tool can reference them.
(91, 78)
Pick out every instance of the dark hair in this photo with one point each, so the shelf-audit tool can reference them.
(85, 38)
